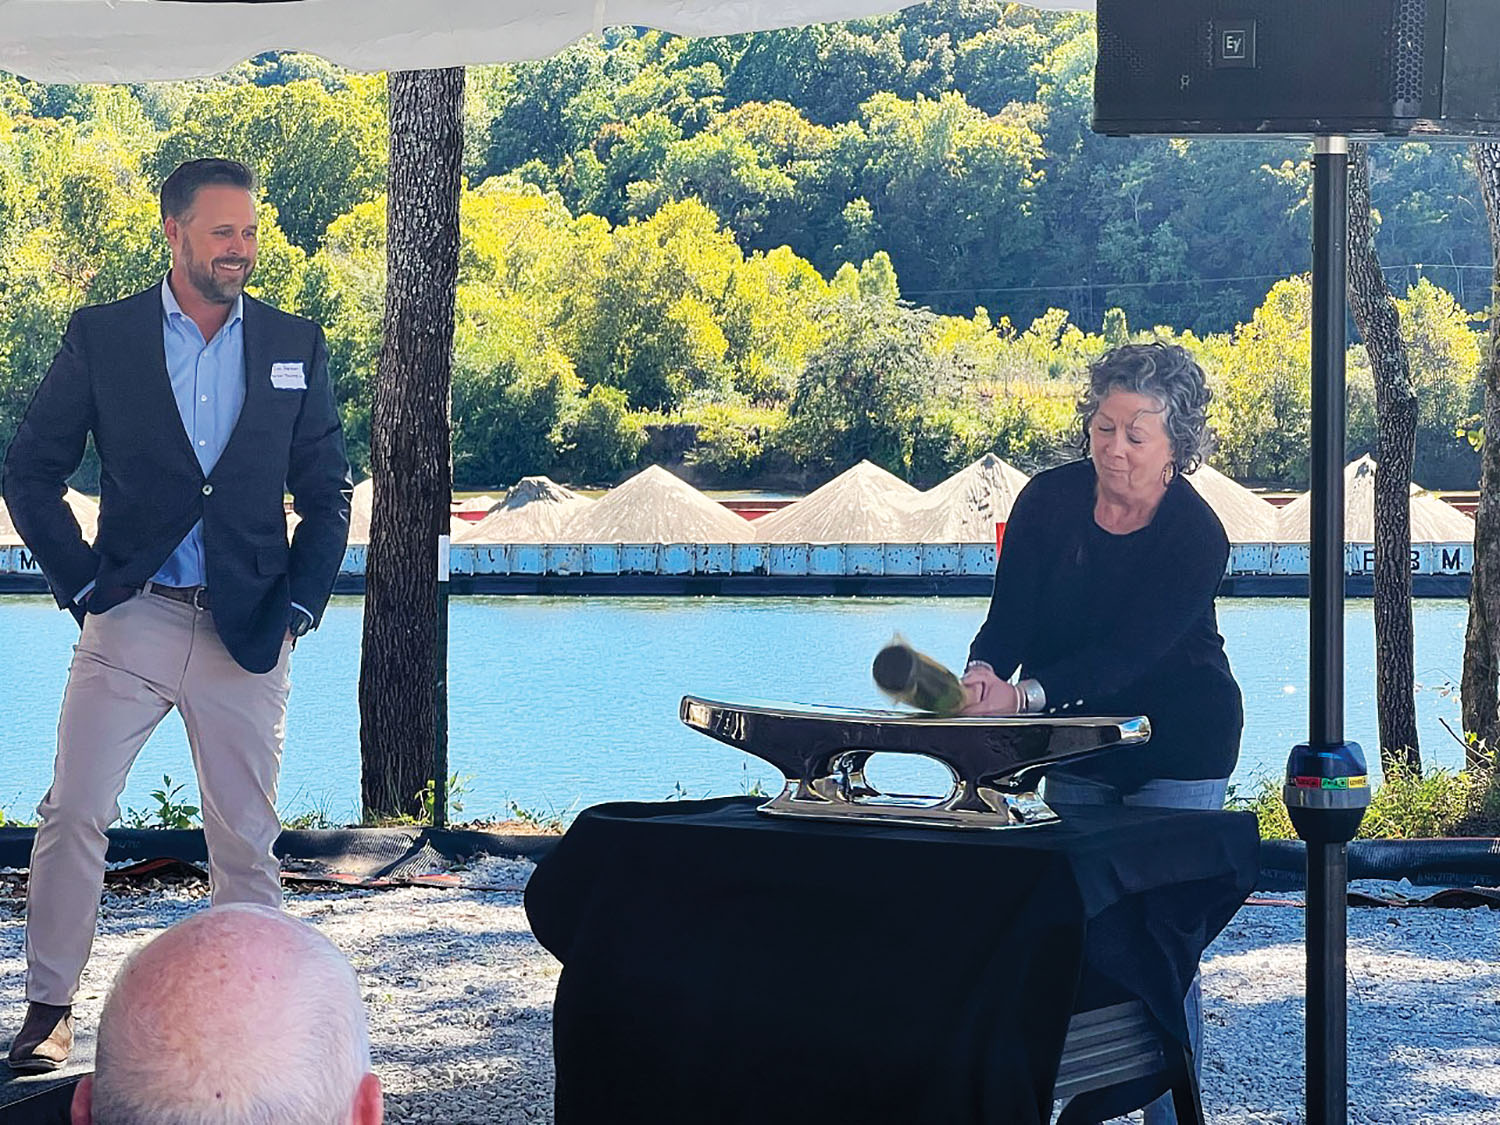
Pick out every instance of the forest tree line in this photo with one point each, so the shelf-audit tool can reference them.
(769, 254)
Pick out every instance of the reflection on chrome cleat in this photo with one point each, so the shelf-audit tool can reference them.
(995, 763)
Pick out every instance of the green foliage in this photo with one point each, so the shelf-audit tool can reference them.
(537, 117)
(952, 136)
(458, 784)
(311, 820)
(280, 265)
(1437, 803)
(343, 289)
(513, 392)
(7, 819)
(1024, 429)
(735, 441)
(35, 303)
(860, 393)
(278, 68)
(768, 317)
(956, 139)
(1446, 356)
(604, 438)
(645, 318)
(943, 165)
(553, 821)
(1413, 806)
(1263, 392)
(1265, 801)
(170, 811)
(1471, 430)
(944, 440)
(1359, 416)
(316, 153)
(749, 788)
(681, 220)
(1116, 328)
(724, 169)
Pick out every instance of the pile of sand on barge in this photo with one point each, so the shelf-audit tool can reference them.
(864, 504)
(966, 507)
(655, 507)
(1247, 518)
(535, 510)
(1432, 520)
(84, 510)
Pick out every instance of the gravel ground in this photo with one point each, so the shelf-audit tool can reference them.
(460, 997)
(1424, 1016)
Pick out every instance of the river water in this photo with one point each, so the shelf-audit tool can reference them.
(559, 703)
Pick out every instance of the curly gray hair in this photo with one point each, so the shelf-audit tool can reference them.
(1169, 374)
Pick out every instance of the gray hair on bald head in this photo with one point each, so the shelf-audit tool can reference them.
(1167, 373)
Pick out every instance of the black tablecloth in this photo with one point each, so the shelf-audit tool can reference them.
(723, 966)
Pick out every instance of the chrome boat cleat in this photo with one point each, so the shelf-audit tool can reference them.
(995, 763)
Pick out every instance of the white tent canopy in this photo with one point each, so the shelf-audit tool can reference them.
(147, 40)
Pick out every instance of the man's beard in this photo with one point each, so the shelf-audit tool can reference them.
(209, 287)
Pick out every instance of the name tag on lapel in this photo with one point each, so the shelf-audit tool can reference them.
(288, 377)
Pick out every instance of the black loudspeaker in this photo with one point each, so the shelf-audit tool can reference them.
(1417, 68)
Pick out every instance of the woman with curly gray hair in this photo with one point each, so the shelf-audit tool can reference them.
(1104, 600)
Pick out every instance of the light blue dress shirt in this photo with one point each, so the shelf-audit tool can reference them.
(208, 382)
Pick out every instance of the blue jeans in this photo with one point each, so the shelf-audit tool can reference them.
(1161, 793)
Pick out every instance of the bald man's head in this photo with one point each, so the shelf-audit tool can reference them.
(240, 1015)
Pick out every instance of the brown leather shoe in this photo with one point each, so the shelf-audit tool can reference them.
(44, 1040)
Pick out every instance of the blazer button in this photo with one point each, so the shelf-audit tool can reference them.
(208, 490)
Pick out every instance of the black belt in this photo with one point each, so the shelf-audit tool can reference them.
(195, 596)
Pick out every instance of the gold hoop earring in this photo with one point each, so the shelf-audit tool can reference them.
(1168, 471)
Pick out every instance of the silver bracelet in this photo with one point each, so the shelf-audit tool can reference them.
(1030, 697)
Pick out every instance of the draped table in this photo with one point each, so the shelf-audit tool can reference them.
(723, 966)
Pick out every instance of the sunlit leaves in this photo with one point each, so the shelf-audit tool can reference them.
(1262, 401)
(317, 154)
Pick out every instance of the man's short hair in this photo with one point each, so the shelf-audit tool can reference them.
(240, 1014)
(180, 188)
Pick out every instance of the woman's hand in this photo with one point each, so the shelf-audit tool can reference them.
(987, 694)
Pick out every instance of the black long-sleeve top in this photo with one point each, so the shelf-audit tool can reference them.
(1119, 624)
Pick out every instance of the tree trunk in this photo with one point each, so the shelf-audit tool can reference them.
(1395, 449)
(1481, 666)
(410, 452)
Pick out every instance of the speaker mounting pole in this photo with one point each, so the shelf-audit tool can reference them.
(1330, 268)
(1322, 827)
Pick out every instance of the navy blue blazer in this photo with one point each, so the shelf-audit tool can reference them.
(110, 379)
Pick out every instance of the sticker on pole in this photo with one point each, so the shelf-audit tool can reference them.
(1357, 782)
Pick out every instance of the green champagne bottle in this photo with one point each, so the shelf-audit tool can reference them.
(914, 678)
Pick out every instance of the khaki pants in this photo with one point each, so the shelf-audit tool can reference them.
(130, 667)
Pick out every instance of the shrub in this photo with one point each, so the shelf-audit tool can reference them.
(1265, 802)
(509, 423)
(1410, 806)
(734, 440)
(859, 394)
(1038, 426)
(1404, 806)
(945, 439)
(605, 438)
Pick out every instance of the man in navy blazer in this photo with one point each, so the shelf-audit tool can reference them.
(206, 406)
